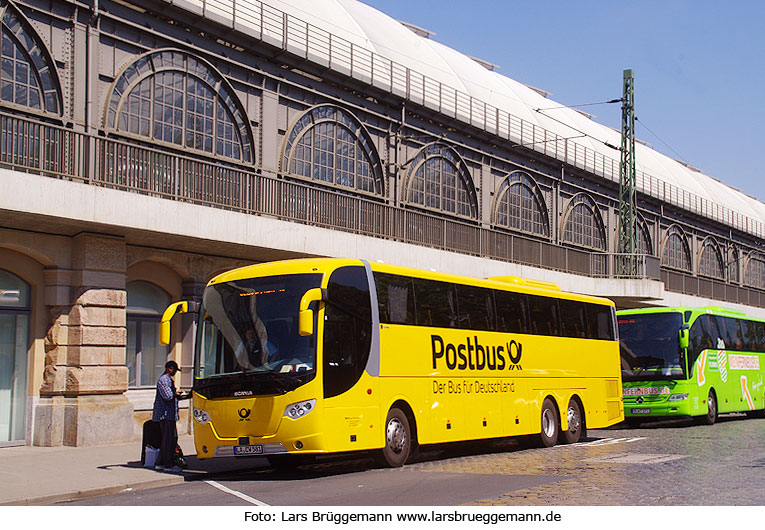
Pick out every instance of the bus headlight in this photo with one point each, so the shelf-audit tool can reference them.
(300, 409)
(678, 397)
(201, 416)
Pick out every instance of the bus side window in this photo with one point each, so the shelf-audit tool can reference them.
(572, 318)
(435, 303)
(747, 333)
(347, 329)
(512, 314)
(544, 315)
(716, 332)
(476, 308)
(395, 298)
(599, 322)
(731, 333)
(759, 334)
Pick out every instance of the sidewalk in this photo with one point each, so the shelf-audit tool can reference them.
(46, 475)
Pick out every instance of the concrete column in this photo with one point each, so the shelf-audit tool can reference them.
(82, 399)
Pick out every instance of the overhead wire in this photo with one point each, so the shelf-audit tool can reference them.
(540, 111)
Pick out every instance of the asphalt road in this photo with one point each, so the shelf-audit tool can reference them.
(671, 463)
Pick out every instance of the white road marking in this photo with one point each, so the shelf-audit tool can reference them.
(605, 441)
(636, 458)
(235, 493)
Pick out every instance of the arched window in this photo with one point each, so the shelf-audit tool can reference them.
(676, 252)
(644, 245)
(754, 272)
(172, 97)
(330, 145)
(520, 205)
(14, 344)
(734, 257)
(711, 260)
(439, 179)
(146, 358)
(28, 76)
(583, 224)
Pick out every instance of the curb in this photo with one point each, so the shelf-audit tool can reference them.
(96, 492)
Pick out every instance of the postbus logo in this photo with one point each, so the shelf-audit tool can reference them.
(244, 414)
(472, 355)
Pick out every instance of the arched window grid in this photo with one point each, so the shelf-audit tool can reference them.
(676, 253)
(520, 205)
(439, 180)
(28, 77)
(583, 225)
(171, 97)
(754, 271)
(734, 265)
(145, 356)
(327, 144)
(710, 260)
(644, 245)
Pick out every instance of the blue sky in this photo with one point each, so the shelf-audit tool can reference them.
(699, 66)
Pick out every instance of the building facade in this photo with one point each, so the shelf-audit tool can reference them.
(146, 146)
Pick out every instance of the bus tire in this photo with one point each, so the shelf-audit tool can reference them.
(575, 424)
(711, 416)
(550, 424)
(398, 438)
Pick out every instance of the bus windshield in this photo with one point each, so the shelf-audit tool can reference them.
(650, 346)
(248, 336)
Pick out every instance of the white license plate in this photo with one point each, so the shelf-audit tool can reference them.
(641, 411)
(248, 449)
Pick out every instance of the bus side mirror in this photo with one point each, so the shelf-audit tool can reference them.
(684, 338)
(167, 316)
(305, 317)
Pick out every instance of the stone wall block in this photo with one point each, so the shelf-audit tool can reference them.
(97, 336)
(96, 355)
(49, 422)
(100, 297)
(57, 355)
(54, 380)
(98, 253)
(97, 316)
(92, 420)
(84, 380)
(98, 279)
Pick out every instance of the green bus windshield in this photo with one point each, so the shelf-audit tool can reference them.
(650, 346)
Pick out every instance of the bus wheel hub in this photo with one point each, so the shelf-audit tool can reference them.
(395, 436)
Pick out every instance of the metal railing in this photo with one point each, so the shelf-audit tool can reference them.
(63, 153)
(260, 21)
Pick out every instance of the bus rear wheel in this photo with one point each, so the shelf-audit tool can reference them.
(398, 438)
(550, 425)
(575, 424)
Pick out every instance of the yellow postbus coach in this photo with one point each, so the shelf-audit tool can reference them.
(317, 356)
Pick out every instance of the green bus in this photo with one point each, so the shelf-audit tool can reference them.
(691, 362)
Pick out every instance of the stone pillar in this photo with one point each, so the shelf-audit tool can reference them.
(82, 399)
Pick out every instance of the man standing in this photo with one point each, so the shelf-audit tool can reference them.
(166, 413)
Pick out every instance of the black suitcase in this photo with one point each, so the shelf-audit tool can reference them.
(152, 436)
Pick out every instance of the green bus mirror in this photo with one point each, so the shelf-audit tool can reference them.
(305, 317)
(683, 338)
(167, 316)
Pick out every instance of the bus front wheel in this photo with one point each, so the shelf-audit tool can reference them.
(550, 425)
(711, 416)
(398, 438)
(575, 422)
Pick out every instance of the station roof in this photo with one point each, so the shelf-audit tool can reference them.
(412, 47)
